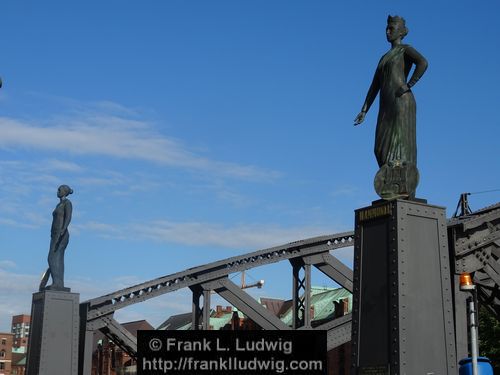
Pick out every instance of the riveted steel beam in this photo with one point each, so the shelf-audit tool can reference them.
(332, 268)
(118, 334)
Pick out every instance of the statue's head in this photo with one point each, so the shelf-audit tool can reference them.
(64, 191)
(396, 27)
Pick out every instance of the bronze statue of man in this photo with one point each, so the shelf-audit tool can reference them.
(395, 138)
(59, 238)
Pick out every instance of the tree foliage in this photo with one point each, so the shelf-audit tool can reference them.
(489, 338)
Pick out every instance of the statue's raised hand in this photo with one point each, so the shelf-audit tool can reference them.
(359, 118)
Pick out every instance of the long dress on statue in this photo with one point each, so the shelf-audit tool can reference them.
(395, 137)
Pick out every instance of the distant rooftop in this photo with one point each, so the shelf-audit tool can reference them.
(322, 300)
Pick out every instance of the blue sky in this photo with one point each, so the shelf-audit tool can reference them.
(192, 131)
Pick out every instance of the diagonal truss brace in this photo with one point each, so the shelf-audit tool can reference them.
(477, 242)
(245, 303)
(333, 268)
(115, 332)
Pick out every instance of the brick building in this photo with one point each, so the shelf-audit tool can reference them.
(6, 342)
(18, 363)
(109, 359)
(21, 330)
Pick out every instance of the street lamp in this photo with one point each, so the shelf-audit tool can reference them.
(466, 285)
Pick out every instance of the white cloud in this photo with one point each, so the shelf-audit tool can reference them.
(16, 288)
(65, 166)
(102, 229)
(99, 181)
(110, 106)
(345, 190)
(91, 133)
(28, 189)
(244, 236)
(7, 264)
(239, 237)
(17, 223)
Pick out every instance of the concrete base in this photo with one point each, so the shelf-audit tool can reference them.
(402, 312)
(53, 342)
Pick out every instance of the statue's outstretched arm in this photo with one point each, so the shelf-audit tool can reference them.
(370, 97)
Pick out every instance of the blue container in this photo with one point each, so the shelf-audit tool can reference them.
(483, 366)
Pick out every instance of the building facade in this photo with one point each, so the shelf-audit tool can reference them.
(109, 359)
(6, 342)
(21, 330)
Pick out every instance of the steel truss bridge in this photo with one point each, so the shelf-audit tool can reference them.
(474, 244)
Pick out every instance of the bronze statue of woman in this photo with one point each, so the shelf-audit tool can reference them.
(395, 137)
(59, 238)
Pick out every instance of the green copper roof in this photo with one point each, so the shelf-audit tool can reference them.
(322, 301)
(219, 323)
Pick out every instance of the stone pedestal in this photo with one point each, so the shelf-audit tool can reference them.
(402, 312)
(53, 342)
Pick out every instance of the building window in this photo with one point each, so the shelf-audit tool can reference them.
(4, 341)
(2, 366)
(2, 354)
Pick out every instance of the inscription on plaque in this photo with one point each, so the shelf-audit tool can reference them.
(375, 212)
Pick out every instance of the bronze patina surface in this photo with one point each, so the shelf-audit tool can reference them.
(395, 137)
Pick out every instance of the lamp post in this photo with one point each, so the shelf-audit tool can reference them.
(259, 284)
(466, 285)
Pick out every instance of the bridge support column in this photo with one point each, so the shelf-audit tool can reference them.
(86, 342)
(301, 293)
(201, 314)
(403, 315)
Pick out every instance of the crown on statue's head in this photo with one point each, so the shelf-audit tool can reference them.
(396, 19)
